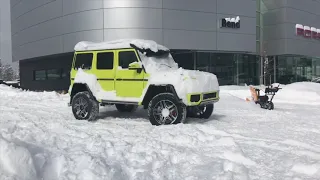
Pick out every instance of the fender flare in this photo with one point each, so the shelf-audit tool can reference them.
(80, 87)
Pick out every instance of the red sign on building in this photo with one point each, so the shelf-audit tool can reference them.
(308, 32)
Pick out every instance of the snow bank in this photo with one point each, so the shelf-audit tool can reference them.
(16, 161)
(299, 93)
(41, 140)
(296, 93)
(306, 169)
(19, 94)
(121, 43)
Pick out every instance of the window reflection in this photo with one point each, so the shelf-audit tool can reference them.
(203, 61)
(292, 69)
(224, 66)
(239, 69)
(230, 68)
(315, 68)
(184, 59)
(248, 69)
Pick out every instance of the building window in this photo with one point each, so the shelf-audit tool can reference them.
(224, 65)
(64, 73)
(292, 69)
(49, 74)
(248, 69)
(39, 75)
(83, 61)
(126, 58)
(203, 61)
(184, 59)
(54, 74)
(105, 60)
(315, 68)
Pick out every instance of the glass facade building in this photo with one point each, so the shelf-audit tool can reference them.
(291, 69)
(230, 68)
(292, 57)
(262, 48)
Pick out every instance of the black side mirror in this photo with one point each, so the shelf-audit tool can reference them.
(139, 70)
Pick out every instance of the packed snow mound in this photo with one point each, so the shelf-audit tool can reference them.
(121, 43)
(299, 93)
(16, 161)
(303, 86)
(19, 94)
(41, 140)
(295, 93)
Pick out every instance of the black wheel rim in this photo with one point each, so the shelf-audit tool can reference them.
(81, 107)
(165, 112)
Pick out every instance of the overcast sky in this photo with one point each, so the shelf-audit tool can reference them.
(5, 32)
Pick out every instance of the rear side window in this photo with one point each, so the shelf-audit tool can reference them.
(105, 60)
(39, 75)
(83, 61)
(126, 58)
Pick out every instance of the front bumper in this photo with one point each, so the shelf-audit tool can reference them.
(196, 99)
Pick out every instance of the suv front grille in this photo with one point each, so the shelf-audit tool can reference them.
(209, 96)
(195, 98)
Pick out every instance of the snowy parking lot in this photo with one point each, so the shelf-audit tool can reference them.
(40, 139)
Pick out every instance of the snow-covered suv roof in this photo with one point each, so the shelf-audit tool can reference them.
(120, 44)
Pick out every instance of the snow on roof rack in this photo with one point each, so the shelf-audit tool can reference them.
(120, 44)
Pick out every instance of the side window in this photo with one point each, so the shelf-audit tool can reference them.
(105, 60)
(39, 75)
(126, 58)
(54, 74)
(83, 61)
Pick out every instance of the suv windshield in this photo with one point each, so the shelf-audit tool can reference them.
(158, 62)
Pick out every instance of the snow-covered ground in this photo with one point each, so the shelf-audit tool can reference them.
(40, 139)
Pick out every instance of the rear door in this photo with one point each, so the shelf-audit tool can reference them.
(105, 69)
(129, 83)
(81, 60)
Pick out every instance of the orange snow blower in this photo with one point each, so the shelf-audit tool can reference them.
(264, 101)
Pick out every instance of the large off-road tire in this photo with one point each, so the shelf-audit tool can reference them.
(202, 111)
(126, 107)
(85, 107)
(166, 109)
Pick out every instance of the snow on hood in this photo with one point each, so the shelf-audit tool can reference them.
(186, 81)
(164, 70)
(154, 64)
(119, 44)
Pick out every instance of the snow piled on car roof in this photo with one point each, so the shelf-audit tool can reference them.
(119, 44)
